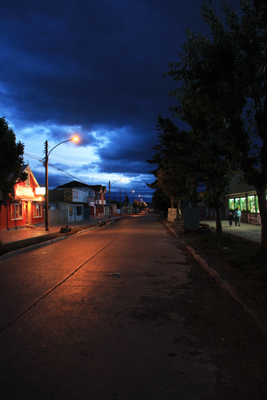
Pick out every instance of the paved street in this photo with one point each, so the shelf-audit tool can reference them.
(25, 233)
(70, 329)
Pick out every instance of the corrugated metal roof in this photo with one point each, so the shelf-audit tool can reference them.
(238, 186)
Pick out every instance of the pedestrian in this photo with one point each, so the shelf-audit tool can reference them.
(237, 216)
(230, 217)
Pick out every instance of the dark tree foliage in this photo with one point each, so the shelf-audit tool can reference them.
(160, 201)
(221, 94)
(247, 76)
(178, 173)
(11, 160)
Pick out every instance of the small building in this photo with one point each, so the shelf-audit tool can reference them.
(74, 201)
(101, 207)
(24, 206)
(242, 195)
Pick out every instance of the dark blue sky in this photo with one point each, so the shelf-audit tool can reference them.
(92, 68)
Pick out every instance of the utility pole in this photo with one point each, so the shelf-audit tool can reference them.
(46, 188)
(109, 198)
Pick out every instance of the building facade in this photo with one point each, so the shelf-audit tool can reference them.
(76, 201)
(71, 202)
(24, 206)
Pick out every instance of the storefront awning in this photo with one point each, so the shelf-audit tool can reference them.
(17, 198)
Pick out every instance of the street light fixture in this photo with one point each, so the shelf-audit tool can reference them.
(110, 184)
(75, 138)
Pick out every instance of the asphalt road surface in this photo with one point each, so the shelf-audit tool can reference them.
(71, 327)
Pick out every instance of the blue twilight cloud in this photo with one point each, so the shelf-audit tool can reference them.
(94, 67)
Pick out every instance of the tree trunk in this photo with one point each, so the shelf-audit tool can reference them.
(261, 192)
(172, 202)
(178, 209)
(218, 218)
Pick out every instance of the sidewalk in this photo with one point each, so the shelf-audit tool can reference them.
(245, 231)
(27, 233)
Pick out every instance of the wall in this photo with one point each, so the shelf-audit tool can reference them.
(3, 218)
(58, 217)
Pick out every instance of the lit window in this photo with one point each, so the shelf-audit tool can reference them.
(252, 204)
(16, 211)
(37, 210)
(243, 204)
(237, 202)
(231, 204)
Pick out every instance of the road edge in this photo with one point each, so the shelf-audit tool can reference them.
(221, 282)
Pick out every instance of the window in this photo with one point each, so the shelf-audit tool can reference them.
(237, 202)
(253, 204)
(70, 211)
(243, 204)
(257, 205)
(16, 211)
(79, 210)
(231, 204)
(37, 210)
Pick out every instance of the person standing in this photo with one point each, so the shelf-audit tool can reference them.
(237, 216)
(230, 217)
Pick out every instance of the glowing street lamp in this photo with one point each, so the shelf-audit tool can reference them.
(110, 184)
(74, 139)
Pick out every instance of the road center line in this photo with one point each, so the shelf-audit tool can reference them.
(59, 284)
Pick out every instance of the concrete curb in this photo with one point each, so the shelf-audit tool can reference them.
(168, 228)
(224, 285)
(29, 248)
(46, 243)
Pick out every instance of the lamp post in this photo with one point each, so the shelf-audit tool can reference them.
(109, 186)
(46, 178)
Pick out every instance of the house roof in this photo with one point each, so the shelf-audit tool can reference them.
(73, 184)
(24, 168)
(99, 188)
(26, 193)
(238, 186)
(77, 184)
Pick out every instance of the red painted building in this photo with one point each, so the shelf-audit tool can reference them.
(24, 206)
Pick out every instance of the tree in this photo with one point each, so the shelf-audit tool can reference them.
(137, 205)
(248, 36)
(126, 201)
(223, 95)
(203, 103)
(11, 160)
(253, 39)
(177, 173)
(160, 201)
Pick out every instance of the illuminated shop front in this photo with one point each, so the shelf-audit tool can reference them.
(24, 206)
(243, 196)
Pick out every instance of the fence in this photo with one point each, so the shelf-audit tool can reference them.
(58, 217)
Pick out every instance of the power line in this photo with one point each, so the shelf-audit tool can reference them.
(53, 166)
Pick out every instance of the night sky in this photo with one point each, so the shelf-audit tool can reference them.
(92, 68)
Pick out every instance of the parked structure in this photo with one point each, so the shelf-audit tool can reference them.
(244, 196)
(24, 206)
